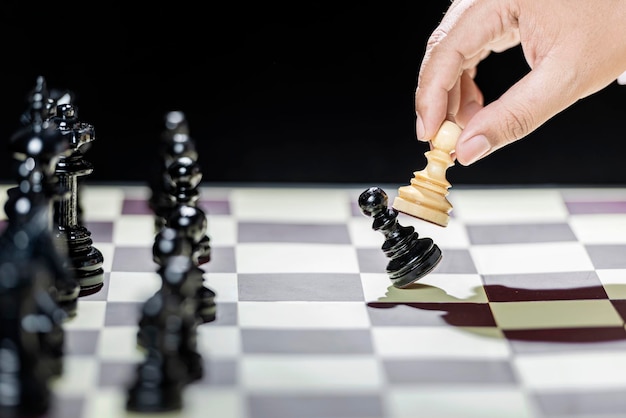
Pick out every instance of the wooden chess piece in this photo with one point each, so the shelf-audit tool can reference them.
(426, 197)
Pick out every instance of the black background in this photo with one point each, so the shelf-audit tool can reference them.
(301, 92)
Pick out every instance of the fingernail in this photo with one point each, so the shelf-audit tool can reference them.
(419, 126)
(474, 148)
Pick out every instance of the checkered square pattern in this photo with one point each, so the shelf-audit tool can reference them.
(524, 316)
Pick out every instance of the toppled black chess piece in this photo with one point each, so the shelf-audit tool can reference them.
(411, 257)
(167, 333)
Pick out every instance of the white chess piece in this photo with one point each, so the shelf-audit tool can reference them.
(425, 197)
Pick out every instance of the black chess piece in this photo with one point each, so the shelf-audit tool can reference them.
(31, 218)
(37, 142)
(55, 100)
(181, 182)
(25, 368)
(85, 260)
(31, 333)
(168, 332)
(36, 149)
(169, 243)
(411, 257)
(176, 141)
(176, 145)
(39, 101)
(186, 237)
(190, 223)
(184, 176)
(175, 200)
(43, 101)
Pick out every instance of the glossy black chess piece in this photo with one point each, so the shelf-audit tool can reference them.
(85, 260)
(411, 257)
(184, 176)
(176, 147)
(36, 148)
(168, 333)
(190, 223)
(31, 332)
(186, 236)
(169, 243)
(31, 338)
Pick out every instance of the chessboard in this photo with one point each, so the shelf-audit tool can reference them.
(523, 317)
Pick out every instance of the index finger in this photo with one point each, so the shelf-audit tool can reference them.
(466, 30)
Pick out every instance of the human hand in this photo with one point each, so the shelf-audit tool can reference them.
(573, 49)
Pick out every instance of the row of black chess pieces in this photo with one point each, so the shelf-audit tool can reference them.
(49, 162)
(169, 319)
(48, 261)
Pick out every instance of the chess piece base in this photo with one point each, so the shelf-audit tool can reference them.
(429, 262)
(155, 399)
(207, 309)
(420, 211)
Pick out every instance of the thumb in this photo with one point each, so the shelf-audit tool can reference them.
(528, 104)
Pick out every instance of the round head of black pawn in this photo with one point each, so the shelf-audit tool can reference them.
(169, 243)
(180, 145)
(373, 201)
(184, 173)
(176, 123)
(175, 141)
(188, 220)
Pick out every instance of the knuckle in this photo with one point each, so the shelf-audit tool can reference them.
(518, 122)
(435, 38)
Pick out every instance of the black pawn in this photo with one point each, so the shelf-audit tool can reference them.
(191, 222)
(36, 149)
(31, 333)
(184, 175)
(176, 141)
(411, 257)
(183, 239)
(175, 144)
(31, 338)
(168, 334)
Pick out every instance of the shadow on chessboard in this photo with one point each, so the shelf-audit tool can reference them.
(564, 315)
